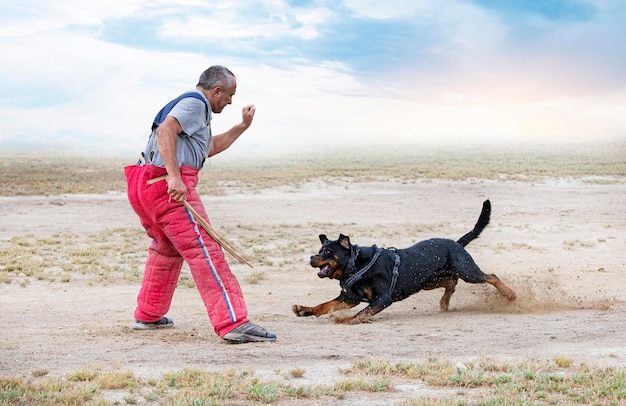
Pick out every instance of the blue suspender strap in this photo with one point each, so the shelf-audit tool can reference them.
(158, 119)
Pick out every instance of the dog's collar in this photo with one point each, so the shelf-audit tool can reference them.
(354, 253)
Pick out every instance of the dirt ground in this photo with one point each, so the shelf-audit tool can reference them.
(559, 243)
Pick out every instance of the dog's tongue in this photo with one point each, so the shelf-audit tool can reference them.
(323, 273)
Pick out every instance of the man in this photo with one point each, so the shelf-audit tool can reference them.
(174, 155)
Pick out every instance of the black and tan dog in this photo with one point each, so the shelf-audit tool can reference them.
(381, 276)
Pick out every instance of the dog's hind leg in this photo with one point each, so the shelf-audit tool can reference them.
(450, 286)
(502, 288)
(465, 268)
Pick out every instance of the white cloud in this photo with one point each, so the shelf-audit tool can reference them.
(63, 84)
(34, 16)
(273, 20)
(105, 92)
(393, 9)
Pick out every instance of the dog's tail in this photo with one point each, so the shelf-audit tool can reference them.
(482, 222)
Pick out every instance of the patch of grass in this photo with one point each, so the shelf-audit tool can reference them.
(597, 163)
(488, 381)
(39, 372)
(83, 375)
(45, 391)
(114, 380)
(572, 244)
(52, 175)
(530, 382)
(29, 174)
(522, 246)
(255, 277)
(118, 254)
(112, 255)
(297, 373)
(362, 385)
(563, 362)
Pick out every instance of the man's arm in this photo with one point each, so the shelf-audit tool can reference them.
(167, 135)
(222, 141)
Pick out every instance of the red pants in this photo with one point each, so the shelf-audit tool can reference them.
(177, 238)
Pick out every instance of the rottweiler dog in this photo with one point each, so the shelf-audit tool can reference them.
(381, 276)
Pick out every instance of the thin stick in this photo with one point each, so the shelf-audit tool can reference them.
(221, 240)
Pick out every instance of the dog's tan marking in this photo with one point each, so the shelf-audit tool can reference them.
(324, 308)
(502, 288)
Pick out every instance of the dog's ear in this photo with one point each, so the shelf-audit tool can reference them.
(323, 238)
(344, 240)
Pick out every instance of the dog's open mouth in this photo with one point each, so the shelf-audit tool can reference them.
(325, 271)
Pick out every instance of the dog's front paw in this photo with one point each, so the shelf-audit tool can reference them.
(356, 319)
(300, 311)
(343, 320)
(335, 319)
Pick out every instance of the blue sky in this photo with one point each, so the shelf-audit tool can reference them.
(92, 74)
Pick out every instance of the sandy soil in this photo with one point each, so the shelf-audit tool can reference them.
(559, 243)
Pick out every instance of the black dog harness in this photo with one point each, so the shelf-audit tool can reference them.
(347, 285)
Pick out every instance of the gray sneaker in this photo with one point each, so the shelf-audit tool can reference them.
(249, 333)
(163, 322)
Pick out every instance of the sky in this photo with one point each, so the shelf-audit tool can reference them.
(322, 73)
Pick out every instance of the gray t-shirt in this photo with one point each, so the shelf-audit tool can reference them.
(193, 144)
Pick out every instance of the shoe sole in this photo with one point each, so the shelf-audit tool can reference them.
(147, 326)
(245, 338)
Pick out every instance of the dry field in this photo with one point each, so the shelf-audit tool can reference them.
(72, 250)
